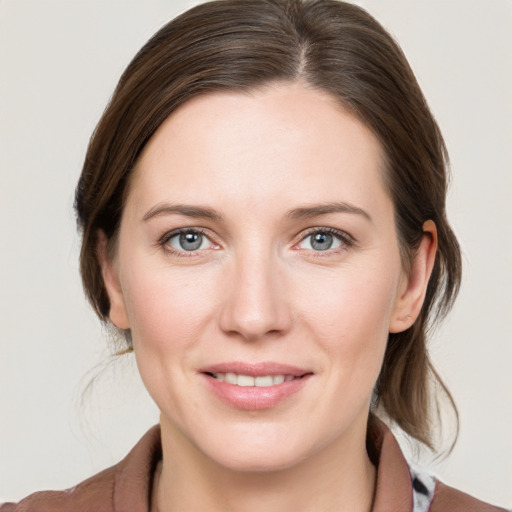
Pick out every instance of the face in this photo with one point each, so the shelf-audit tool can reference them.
(259, 272)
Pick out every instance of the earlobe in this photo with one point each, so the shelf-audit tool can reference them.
(117, 313)
(412, 293)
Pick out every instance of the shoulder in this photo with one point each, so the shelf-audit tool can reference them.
(95, 493)
(431, 495)
(448, 499)
(405, 488)
(120, 488)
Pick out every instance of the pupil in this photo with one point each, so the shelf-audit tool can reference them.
(322, 241)
(190, 241)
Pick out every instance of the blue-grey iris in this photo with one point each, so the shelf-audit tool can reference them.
(191, 241)
(321, 241)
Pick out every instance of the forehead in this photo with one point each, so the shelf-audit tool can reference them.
(282, 142)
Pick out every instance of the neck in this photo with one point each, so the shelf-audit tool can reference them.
(339, 478)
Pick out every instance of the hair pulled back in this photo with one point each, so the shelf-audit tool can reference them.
(240, 45)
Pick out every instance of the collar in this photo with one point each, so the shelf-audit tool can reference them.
(393, 492)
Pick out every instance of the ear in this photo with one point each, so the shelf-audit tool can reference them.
(414, 286)
(117, 313)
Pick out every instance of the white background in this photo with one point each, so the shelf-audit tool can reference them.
(59, 62)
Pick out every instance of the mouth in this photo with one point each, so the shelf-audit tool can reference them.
(254, 386)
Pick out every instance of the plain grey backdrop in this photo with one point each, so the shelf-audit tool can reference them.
(59, 63)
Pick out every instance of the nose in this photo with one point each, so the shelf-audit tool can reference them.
(255, 305)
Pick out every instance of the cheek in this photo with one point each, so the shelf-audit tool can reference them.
(167, 307)
(351, 320)
(349, 304)
(168, 310)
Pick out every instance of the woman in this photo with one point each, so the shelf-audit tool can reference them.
(263, 217)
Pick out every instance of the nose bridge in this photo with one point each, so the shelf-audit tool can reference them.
(255, 303)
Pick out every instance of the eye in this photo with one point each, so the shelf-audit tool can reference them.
(325, 240)
(188, 240)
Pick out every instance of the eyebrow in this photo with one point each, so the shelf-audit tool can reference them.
(195, 212)
(317, 210)
(303, 212)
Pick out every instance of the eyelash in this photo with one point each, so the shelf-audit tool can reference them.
(163, 242)
(346, 240)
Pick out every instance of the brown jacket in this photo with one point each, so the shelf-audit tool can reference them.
(126, 487)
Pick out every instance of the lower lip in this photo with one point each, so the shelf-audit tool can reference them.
(253, 398)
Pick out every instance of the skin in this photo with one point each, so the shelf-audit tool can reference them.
(257, 290)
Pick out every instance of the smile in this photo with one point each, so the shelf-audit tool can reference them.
(262, 381)
(257, 386)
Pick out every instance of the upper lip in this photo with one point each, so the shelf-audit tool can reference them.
(255, 369)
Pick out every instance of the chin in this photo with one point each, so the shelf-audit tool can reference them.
(266, 459)
(261, 448)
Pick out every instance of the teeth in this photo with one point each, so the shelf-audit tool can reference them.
(262, 381)
(244, 380)
(230, 378)
(279, 379)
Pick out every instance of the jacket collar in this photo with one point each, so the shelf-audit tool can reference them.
(393, 492)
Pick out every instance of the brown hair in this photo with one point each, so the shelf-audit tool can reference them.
(335, 47)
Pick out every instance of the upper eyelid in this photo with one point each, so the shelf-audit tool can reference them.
(347, 237)
(173, 232)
